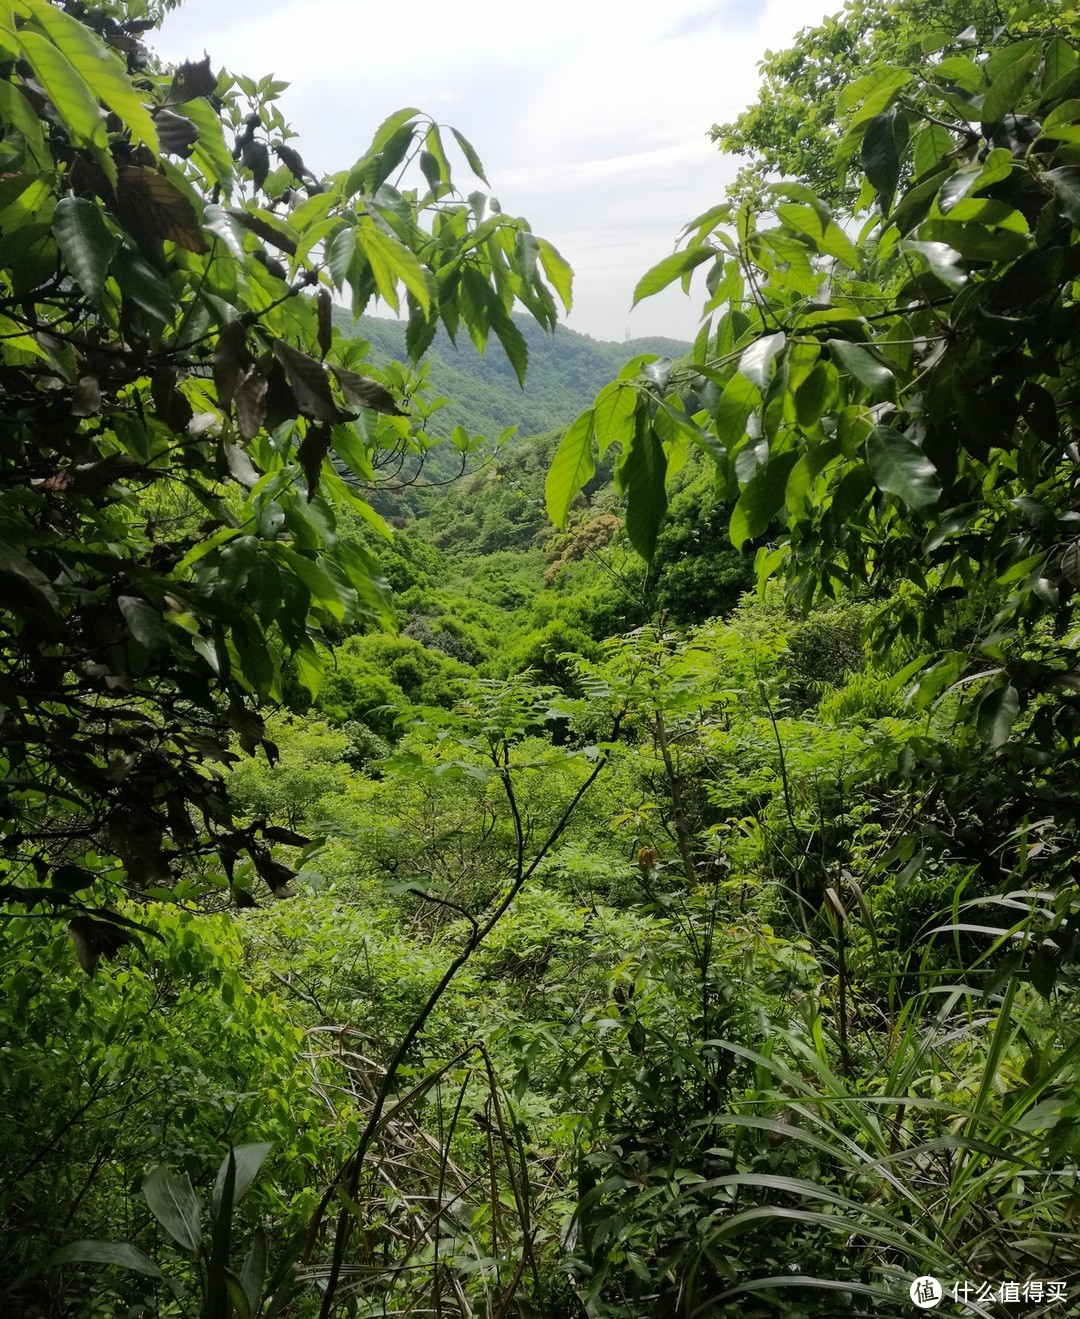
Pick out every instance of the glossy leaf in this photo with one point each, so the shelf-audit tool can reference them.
(861, 362)
(761, 500)
(997, 712)
(756, 362)
(899, 466)
(881, 155)
(86, 242)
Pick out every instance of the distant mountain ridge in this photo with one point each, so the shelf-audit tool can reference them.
(565, 371)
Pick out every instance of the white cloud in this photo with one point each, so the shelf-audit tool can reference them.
(590, 115)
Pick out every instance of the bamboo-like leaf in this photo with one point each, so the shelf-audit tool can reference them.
(121, 1254)
(172, 1202)
(248, 1159)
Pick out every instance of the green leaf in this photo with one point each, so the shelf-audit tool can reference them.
(812, 393)
(761, 499)
(141, 286)
(669, 270)
(757, 360)
(822, 230)
(881, 155)
(512, 340)
(253, 1272)
(390, 126)
(944, 261)
(558, 271)
(859, 361)
(173, 1204)
(613, 415)
(933, 144)
(248, 1160)
(86, 242)
(340, 249)
(959, 71)
(1006, 90)
(800, 482)
(739, 398)
(469, 152)
(872, 92)
(121, 1254)
(643, 473)
(144, 622)
(997, 713)
(391, 261)
(1066, 181)
(899, 466)
(571, 468)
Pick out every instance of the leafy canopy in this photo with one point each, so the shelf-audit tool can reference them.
(902, 397)
(182, 425)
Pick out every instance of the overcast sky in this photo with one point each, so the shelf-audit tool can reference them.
(591, 116)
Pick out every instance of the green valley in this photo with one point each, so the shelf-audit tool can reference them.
(501, 825)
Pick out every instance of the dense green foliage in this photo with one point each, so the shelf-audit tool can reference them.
(631, 944)
(183, 430)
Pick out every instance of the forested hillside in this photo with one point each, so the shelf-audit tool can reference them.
(624, 873)
(483, 394)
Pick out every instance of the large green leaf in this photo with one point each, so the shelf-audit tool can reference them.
(86, 242)
(173, 1204)
(757, 360)
(558, 272)
(1066, 181)
(943, 261)
(899, 466)
(613, 414)
(121, 1254)
(761, 499)
(511, 338)
(998, 709)
(822, 230)
(469, 152)
(1007, 89)
(669, 270)
(571, 467)
(248, 1159)
(862, 363)
(643, 475)
(881, 155)
(738, 399)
